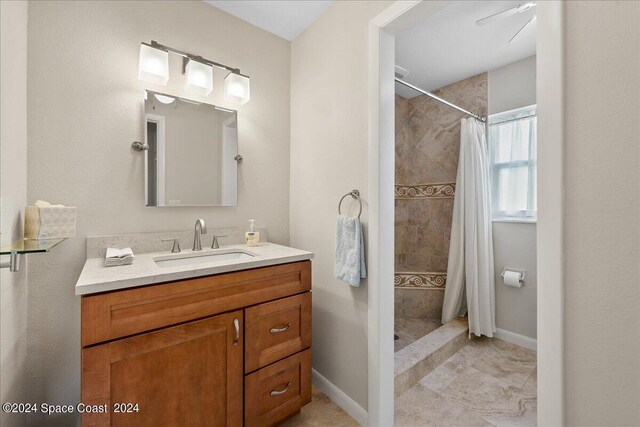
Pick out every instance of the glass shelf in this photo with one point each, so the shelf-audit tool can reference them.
(27, 246)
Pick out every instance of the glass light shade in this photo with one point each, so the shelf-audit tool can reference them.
(199, 77)
(237, 88)
(154, 65)
(164, 98)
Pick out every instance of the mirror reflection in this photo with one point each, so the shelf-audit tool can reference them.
(191, 156)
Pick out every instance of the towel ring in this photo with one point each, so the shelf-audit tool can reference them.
(356, 195)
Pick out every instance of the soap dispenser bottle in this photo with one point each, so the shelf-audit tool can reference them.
(252, 237)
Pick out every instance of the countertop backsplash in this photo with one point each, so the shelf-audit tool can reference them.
(152, 242)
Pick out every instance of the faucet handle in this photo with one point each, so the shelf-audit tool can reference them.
(176, 243)
(215, 244)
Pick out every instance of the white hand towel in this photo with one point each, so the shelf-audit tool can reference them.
(119, 253)
(115, 256)
(349, 263)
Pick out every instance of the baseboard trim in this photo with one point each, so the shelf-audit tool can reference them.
(516, 339)
(340, 398)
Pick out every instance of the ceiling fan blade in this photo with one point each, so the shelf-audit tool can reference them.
(505, 13)
(530, 21)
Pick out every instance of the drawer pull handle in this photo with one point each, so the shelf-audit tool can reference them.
(236, 324)
(284, 328)
(277, 392)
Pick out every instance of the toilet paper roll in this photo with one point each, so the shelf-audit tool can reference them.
(512, 278)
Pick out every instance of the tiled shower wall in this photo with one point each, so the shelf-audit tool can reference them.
(427, 147)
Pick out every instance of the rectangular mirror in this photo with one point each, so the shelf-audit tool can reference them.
(191, 158)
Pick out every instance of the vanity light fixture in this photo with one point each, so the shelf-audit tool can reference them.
(226, 110)
(199, 77)
(198, 71)
(190, 101)
(237, 88)
(153, 66)
(164, 98)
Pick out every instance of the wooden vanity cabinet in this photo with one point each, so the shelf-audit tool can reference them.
(222, 350)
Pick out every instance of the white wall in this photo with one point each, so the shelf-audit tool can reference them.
(602, 213)
(512, 86)
(329, 139)
(514, 244)
(13, 193)
(85, 109)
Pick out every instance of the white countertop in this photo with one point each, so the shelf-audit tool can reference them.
(95, 277)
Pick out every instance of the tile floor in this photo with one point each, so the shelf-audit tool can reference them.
(487, 382)
(410, 330)
(320, 412)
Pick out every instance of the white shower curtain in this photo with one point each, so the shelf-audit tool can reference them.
(470, 281)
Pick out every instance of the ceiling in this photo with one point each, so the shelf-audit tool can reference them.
(284, 18)
(448, 46)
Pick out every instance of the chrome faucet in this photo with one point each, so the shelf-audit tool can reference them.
(200, 228)
(176, 244)
(215, 244)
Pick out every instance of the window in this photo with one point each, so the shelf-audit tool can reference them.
(512, 155)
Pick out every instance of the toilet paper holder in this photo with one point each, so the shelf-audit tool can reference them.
(523, 273)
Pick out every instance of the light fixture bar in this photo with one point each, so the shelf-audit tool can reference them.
(197, 58)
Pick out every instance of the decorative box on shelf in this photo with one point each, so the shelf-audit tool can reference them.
(46, 221)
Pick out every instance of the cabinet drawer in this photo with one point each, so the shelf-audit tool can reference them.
(278, 391)
(127, 312)
(277, 329)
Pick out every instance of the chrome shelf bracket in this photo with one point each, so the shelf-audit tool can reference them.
(13, 264)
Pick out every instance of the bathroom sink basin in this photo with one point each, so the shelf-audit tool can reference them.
(193, 258)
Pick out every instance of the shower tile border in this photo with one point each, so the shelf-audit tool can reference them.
(444, 190)
(420, 280)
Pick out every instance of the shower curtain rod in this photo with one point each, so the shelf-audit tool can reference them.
(444, 101)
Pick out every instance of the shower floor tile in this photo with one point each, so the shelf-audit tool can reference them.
(410, 330)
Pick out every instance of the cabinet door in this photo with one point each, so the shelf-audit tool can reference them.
(186, 375)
